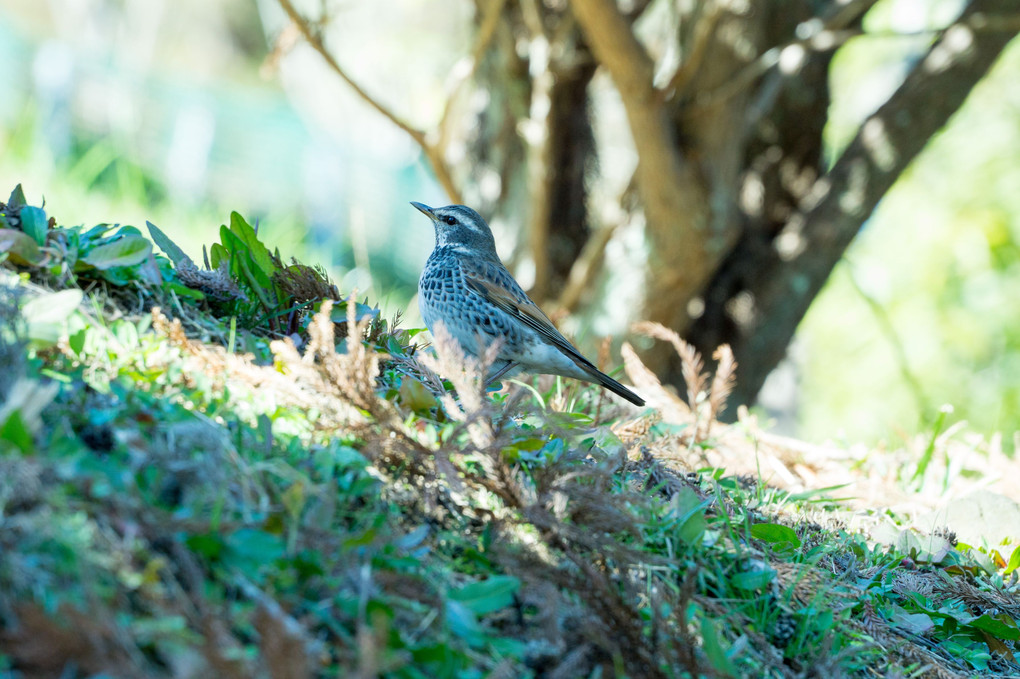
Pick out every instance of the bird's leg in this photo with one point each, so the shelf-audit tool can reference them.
(510, 365)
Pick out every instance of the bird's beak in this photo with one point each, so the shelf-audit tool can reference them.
(425, 210)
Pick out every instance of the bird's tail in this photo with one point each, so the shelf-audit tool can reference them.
(617, 388)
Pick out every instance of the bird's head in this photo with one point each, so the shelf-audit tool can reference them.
(460, 226)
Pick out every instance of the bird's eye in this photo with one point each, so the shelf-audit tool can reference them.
(450, 220)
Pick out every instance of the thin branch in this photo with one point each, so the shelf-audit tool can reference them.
(483, 38)
(535, 132)
(684, 247)
(686, 71)
(585, 267)
(432, 152)
(313, 38)
(830, 37)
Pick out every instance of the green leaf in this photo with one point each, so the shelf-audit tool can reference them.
(361, 311)
(47, 314)
(33, 223)
(15, 432)
(488, 595)
(126, 251)
(21, 248)
(76, 341)
(260, 254)
(912, 623)
(1013, 563)
(217, 255)
(1002, 627)
(209, 545)
(775, 534)
(183, 291)
(714, 650)
(752, 580)
(463, 624)
(249, 549)
(171, 249)
(689, 511)
(17, 198)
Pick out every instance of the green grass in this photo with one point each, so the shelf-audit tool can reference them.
(238, 484)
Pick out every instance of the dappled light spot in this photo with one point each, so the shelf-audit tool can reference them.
(752, 194)
(742, 309)
(791, 59)
(696, 307)
(956, 41)
(809, 29)
(826, 40)
(876, 140)
(852, 200)
(790, 242)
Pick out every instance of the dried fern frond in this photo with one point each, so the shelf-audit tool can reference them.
(691, 365)
(723, 381)
(465, 372)
(648, 384)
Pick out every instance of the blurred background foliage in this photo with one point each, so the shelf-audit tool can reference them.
(179, 112)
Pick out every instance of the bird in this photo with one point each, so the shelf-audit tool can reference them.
(465, 286)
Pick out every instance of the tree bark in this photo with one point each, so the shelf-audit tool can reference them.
(779, 277)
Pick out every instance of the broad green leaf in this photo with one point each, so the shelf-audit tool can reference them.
(463, 623)
(126, 251)
(242, 261)
(913, 623)
(488, 595)
(775, 534)
(20, 247)
(126, 333)
(14, 431)
(217, 255)
(53, 307)
(415, 396)
(294, 499)
(33, 223)
(260, 254)
(1002, 627)
(171, 248)
(183, 291)
(753, 579)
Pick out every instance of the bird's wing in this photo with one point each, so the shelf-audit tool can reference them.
(496, 286)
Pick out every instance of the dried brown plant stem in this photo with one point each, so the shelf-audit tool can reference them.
(433, 152)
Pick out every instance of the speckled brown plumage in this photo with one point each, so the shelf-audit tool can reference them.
(466, 286)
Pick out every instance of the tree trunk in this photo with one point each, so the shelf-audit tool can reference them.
(780, 265)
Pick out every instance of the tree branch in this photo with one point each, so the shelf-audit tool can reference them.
(816, 238)
(683, 252)
(431, 151)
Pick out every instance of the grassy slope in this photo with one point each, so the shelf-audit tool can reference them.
(185, 493)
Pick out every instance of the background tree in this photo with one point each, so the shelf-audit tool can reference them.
(726, 104)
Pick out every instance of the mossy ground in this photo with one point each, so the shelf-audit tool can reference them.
(206, 471)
